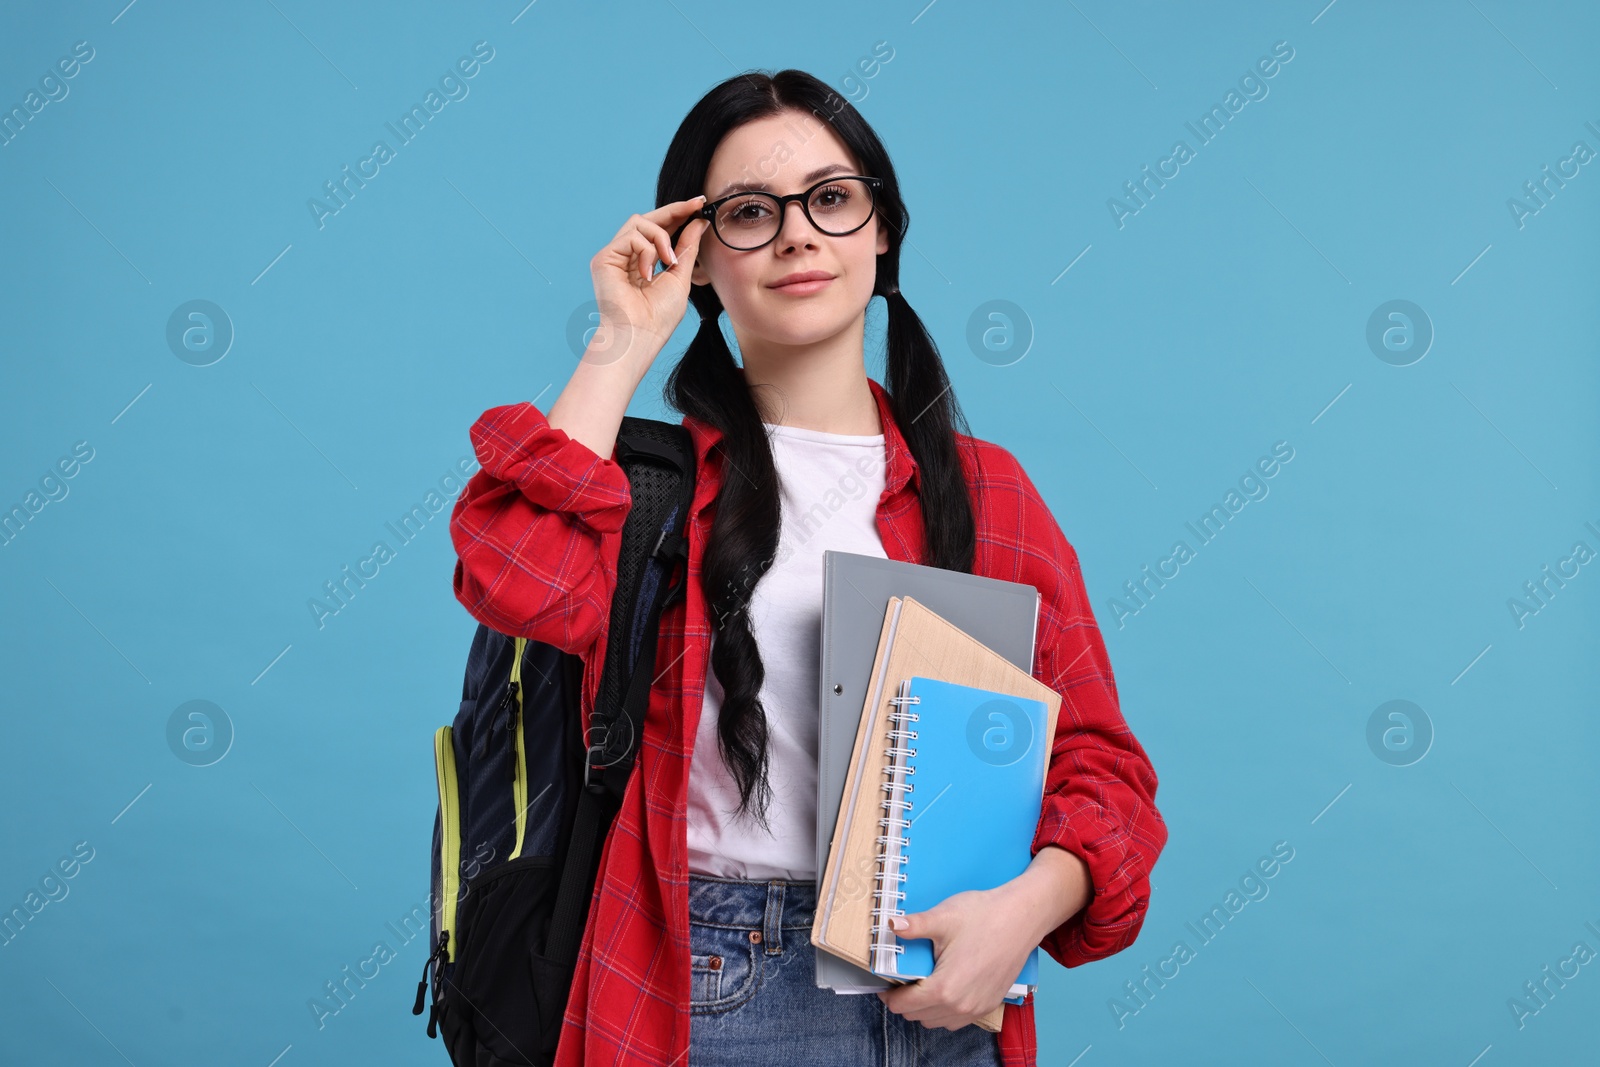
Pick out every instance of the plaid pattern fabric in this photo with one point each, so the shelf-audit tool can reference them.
(537, 531)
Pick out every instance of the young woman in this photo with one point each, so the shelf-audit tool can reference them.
(779, 206)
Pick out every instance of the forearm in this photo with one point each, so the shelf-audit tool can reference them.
(1053, 889)
(590, 408)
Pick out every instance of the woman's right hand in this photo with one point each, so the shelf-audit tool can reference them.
(640, 309)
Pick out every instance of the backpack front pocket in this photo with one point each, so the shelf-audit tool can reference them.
(504, 1001)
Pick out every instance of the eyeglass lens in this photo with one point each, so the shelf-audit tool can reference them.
(838, 207)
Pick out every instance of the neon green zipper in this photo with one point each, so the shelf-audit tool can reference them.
(444, 761)
(519, 783)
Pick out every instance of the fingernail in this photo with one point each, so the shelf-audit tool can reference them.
(897, 924)
(674, 256)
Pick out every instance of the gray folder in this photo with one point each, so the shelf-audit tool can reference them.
(855, 595)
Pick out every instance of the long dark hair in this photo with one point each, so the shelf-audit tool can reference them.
(707, 384)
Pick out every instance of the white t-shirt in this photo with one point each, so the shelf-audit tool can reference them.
(829, 485)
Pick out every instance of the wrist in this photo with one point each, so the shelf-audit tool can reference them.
(1054, 888)
(621, 358)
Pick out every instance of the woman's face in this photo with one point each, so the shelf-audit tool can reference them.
(779, 154)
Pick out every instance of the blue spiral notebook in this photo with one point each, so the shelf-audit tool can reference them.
(972, 762)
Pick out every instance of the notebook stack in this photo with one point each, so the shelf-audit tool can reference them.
(942, 793)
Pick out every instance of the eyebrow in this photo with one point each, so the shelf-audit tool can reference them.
(816, 175)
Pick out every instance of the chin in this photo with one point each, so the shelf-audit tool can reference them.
(805, 327)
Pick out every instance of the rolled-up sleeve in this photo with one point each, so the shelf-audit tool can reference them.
(1100, 789)
(537, 530)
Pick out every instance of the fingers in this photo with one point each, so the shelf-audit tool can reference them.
(933, 1005)
(640, 246)
(676, 211)
(654, 226)
(638, 258)
(661, 244)
(689, 244)
(683, 258)
(645, 240)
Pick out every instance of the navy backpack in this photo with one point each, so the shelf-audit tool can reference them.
(525, 803)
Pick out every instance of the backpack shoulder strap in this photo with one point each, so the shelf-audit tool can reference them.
(652, 567)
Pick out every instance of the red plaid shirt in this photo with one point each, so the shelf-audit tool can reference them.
(538, 530)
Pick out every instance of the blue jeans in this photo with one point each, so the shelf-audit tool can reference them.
(754, 1001)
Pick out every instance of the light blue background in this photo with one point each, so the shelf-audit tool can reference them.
(1229, 314)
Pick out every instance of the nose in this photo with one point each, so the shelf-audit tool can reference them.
(789, 232)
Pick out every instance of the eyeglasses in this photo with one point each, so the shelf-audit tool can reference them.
(835, 206)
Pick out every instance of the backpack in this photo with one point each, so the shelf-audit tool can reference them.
(525, 803)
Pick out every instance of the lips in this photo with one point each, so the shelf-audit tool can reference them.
(800, 279)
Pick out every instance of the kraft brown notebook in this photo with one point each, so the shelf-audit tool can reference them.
(914, 641)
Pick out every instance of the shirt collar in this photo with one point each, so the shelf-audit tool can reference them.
(901, 466)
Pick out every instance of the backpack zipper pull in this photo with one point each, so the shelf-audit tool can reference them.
(422, 986)
(516, 707)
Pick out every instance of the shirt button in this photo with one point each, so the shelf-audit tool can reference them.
(755, 937)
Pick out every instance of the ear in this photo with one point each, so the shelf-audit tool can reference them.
(698, 275)
(883, 237)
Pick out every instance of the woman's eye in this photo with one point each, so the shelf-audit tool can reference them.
(749, 211)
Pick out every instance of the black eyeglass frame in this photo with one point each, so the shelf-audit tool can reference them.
(709, 211)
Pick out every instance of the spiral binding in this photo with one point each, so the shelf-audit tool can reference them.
(894, 839)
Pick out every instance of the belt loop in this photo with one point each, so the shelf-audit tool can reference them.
(772, 922)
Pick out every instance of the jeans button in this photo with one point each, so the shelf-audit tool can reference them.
(755, 937)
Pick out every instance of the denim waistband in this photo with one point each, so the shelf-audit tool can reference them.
(770, 904)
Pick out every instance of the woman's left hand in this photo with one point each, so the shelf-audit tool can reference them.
(982, 937)
(978, 946)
